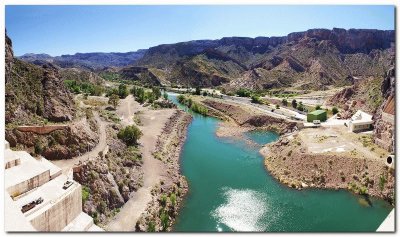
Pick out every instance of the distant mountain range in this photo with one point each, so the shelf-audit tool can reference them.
(91, 61)
(312, 59)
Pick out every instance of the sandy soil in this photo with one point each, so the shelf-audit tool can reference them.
(153, 122)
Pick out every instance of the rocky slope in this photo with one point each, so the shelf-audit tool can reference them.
(292, 164)
(384, 127)
(110, 179)
(34, 93)
(304, 60)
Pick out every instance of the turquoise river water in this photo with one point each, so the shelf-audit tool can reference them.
(230, 190)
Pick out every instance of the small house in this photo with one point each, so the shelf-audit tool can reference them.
(317, 115)
(360, 121)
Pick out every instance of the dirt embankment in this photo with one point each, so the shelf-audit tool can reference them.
(167, 195)
(245, 119)
(289, 161)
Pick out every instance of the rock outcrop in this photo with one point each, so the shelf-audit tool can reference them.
(384, 127)
(35, 93)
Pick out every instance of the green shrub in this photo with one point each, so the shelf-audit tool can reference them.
(130, 135)
(114, 100)
(335, 110)
(284, 102)
(38, 148)
(382, 181)
(294, 104)
(122, 91)
(318, 107)
(85, 193)
(255, 99)
(163, 200)
(172, 197)
(151, 227)
(164, 220)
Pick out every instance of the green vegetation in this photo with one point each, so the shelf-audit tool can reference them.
(256, 99)
(172, 197)
(284, 102)
(198, 91)
(294, 104)
(151, 227)
(194, 106)
(335, 110)
(318, 107)
(382, 182)
(163, 200)
(85, 193)
(164, 220)
(277, 107)
(84, 87)
(243, 92)
(113, 100)
(130, 135)
(122, 91)
(38, 148)
(110, 76)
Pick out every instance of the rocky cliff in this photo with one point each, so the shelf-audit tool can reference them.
(35, 93)
(304, 60)
(384, 127)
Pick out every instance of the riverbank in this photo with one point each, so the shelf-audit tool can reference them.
(167, 196)
(309, 159)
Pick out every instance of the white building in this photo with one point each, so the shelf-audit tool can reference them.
(360, 121)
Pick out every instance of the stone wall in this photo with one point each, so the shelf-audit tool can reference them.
(46, 129)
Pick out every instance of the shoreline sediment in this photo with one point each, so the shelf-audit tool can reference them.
(168, 195)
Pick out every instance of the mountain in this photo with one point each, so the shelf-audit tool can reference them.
(313, 59)
(34, 93)
(302, 60)
(92, 61)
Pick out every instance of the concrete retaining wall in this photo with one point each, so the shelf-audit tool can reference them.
(29, 184)
(42, 129)
(62, 212)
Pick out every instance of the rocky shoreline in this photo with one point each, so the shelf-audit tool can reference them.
(292, 165)
(168, 195)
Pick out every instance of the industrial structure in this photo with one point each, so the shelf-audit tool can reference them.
(317, 115)
(360, 121)
(38, 197)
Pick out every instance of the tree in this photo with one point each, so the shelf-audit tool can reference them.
(130, 135)
(165, 95)
(335, 110)
(156, 92)
(284, 102)
(277, 106)
(198, 91)
(122, 91)
(318, 107)
(255, 99)
(205, 93)
(300, 106)
(114, 100)
(294, 103)
(164, 220)
(243, 92)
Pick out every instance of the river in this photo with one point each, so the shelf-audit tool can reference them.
(230, 190)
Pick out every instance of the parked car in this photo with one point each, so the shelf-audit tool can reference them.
(67, 184)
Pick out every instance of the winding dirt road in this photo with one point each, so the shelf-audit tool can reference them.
(66, 165)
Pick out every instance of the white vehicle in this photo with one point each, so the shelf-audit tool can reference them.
(317, 122)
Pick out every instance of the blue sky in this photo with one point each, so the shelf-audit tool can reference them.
(60, 30)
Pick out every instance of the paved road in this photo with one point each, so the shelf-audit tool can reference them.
(279, 113)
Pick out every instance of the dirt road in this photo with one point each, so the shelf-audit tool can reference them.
(153, 122)
(66, 165)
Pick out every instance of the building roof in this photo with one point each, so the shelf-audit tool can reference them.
(317, 112)
(361, 118)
